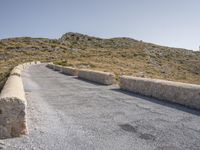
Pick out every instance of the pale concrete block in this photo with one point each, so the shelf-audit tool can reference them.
(37, 62)
(20, 67)
(70, 71)
(105, 78)
(26, 65)
(57, 68)
(13, 109)
(50, 65)
(16, 71)
(181, 93)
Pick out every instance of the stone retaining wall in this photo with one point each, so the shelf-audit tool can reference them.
(97, 76)
(50, 65)
(181, 93)
(17, 71)
(100, 77)
(70, 71)
(13, 109)
(57, 68)
(13, 105)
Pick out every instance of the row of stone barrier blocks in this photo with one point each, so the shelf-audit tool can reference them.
(13, 104)
(177, 92)
(100, 77)
(13, 101)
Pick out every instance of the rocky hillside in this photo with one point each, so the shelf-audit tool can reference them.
(119, 55)
(77, 39)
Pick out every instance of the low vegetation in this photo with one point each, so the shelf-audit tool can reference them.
(123, 56)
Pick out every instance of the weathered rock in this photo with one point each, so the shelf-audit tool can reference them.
(13, 104)
(50, 65)
(13, 109)
(57, 68)
(70, 71)
(181, 93)
(37, 62)
(16, 71)
(97, 76)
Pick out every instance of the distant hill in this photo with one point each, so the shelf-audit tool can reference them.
(77, 39)
(119, 55)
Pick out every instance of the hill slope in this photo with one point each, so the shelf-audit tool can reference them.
(119, 55)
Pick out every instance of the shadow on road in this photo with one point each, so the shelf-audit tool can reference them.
(161, 102)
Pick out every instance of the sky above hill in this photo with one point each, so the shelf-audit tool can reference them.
(174, 23)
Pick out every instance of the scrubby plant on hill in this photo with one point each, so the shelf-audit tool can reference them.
(118, 55)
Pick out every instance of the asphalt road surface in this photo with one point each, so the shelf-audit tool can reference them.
(66, 113)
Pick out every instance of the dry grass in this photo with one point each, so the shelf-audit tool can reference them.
(142, 59)
(136, 63)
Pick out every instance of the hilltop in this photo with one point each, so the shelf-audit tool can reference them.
(119, 55)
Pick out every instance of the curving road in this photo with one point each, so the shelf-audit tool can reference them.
(71, 114)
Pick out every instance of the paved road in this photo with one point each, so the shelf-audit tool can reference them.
(70, 114)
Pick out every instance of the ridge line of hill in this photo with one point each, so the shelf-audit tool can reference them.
(122, 56)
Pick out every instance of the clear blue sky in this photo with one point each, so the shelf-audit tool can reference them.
(167, 22)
